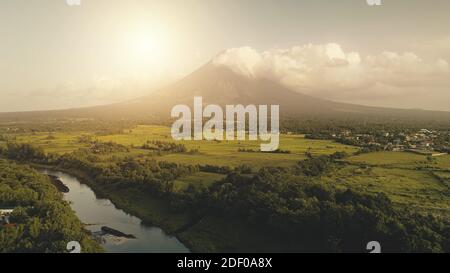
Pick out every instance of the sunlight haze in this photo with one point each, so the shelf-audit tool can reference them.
(56, 56)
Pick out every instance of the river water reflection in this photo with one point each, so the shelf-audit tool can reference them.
(96, 212)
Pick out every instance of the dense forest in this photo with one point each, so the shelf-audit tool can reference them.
(41, 221)
(317, 217)
(304, 125)
(306, 215)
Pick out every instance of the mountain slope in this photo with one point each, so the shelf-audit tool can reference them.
(219, 85)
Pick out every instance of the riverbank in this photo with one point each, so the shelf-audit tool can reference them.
(120, 231)
(151, 210)
(42, 220)
(58, 184)
(211, 233)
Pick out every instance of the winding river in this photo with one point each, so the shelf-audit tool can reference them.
(96, 212)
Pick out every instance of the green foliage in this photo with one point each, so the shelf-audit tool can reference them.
(327, 202)
(244, 169)
(107, 148)
(24, 152)
(323, 218)
(41, 220)
(151, 175)
(215, 169)
(163, 146)
(313, 166)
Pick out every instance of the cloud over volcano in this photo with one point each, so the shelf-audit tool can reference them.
(328, 71)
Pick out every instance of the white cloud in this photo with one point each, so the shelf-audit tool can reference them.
(329, 71)
(242, 60)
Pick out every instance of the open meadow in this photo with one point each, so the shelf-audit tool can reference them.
(223, 153)
(408, 179)
(413, 181)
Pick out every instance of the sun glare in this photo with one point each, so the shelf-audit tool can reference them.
(148, 46)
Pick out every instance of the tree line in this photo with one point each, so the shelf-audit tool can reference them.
(304, 214)
(41, 220)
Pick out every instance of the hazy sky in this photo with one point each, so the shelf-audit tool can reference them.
(53, 55)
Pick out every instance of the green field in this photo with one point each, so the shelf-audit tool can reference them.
(442, 162)
(224, 153)
(404, 160)
(58, 142)
(417, 189)
(397, 159)
(443, 175)
(407, 178)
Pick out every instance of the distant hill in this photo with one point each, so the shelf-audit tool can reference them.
(219, 85)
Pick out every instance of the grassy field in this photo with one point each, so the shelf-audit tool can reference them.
(224, 153)
(392, 159)
(442, 162)
(407, 178)
(413, 188)
(59, 143)
(404, 160)
(443, 175)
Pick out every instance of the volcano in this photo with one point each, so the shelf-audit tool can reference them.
(220, 85)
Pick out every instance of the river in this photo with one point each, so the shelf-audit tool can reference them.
(97, 212)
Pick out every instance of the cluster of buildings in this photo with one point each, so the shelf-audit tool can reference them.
(422, 141)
